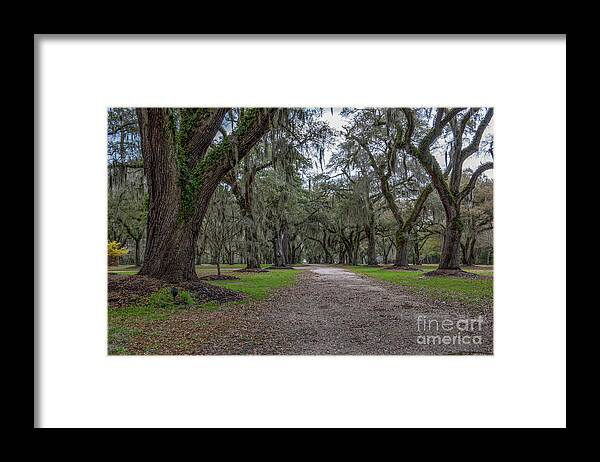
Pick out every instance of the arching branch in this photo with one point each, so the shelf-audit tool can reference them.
(476, 174)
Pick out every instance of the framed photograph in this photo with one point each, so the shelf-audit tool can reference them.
(362, 220)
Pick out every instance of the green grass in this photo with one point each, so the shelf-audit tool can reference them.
(148, 320)
(445, 288)
(258, 285)
(139, 312)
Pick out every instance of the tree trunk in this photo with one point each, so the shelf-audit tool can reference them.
(281, 243)
(250, 234)
(450, 258)
(275, 244)
(401, 240)
(183, 172)
(245, 201)
(469, 251)
(417, 253)
(170, 255)
(371, 251)
(137, 252)
(342, 256)
(251, 238)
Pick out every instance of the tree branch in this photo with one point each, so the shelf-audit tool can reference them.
(204, 132)
(474, 145)
(476, 174)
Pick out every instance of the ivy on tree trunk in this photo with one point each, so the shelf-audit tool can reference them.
(184, 166)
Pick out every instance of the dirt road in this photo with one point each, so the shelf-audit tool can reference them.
(334, 311)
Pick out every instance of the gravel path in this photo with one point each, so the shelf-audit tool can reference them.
(334, 311)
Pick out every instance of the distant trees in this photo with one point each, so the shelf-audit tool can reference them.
(222, 225)
(478, 217)
(379, 135)
(127, 191)
(242, 186)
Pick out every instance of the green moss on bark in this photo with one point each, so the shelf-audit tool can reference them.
(191, 180)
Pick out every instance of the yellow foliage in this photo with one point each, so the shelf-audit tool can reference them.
(115, 249)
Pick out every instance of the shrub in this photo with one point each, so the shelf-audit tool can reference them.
(115, 251)
(164, 299)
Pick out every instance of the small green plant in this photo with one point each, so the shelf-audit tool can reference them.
(163, 298)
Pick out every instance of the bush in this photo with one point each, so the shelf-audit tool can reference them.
(164, 299)
(115, 251)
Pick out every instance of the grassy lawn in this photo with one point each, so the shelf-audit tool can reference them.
(156, 327)
(444, 288)
(258, 285)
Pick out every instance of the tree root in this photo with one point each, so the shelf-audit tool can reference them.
(455, 273)
(252, 270)
(402, 268)
(217, 277)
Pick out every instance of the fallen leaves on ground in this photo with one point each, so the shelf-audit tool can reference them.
(126, 291)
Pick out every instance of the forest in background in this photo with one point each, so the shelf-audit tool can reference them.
(388, 187)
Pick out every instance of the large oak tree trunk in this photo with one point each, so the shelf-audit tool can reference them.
(183, 172)
(401, 239)
(171, 256)
(469, 251)
(450, 258)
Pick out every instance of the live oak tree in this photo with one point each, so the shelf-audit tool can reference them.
(381, 135)
(187, 152)
(466, 128)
